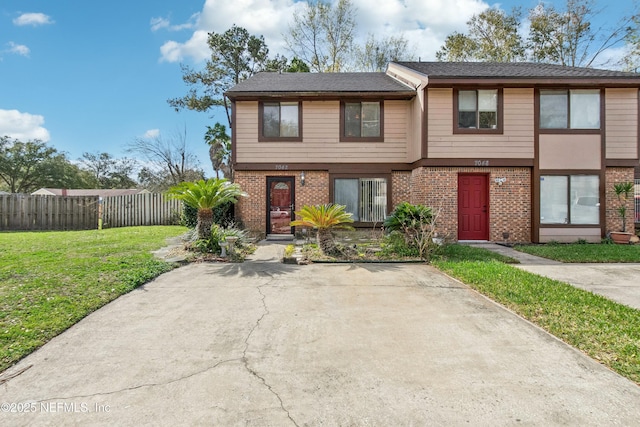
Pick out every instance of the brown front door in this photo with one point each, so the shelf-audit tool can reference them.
(473, 207)
(280, 197)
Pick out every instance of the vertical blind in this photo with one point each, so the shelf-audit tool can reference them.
(364, 198)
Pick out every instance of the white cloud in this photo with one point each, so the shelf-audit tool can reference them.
(424, 23)
(34, 19)
(196, 48)
(23, 126)
(159, 23)
(18, 49)
(162, 23)
(152, 133)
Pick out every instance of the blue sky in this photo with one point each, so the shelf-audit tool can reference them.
(94, 75)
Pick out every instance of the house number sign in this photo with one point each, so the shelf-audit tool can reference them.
(481, 163)
(282, 167)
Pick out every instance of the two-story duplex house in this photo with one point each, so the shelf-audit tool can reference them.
(514, 152)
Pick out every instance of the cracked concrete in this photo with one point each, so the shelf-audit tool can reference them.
(268, 344)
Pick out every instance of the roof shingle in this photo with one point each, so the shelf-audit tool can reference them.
(520, 70)
(300, 83)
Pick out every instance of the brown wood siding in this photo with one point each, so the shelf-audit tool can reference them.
(621, 124)
(321, 135)
(516, 142)
(569, 235)
(570, 152)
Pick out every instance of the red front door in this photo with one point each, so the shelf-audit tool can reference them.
(473, 207)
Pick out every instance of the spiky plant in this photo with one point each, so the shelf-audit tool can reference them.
(205, 196)
(324, 218)
(624, 191)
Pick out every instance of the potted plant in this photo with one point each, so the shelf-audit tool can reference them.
(623, 191)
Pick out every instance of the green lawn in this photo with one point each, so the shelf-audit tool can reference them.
(576, 252)
(607, 331)
(51, 280)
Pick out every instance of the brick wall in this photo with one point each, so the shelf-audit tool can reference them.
(400, 188)
(613, 219)
(510, 203)
(251, 211)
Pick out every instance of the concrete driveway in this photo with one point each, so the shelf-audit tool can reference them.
(267, 344)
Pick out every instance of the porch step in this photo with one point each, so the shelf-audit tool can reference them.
(280, 237)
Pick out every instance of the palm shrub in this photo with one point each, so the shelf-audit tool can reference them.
(205, 196)
(624, 191)
(324, 218)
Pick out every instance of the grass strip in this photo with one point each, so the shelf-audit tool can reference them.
(51, 280)
(605, 330)
(579, 253)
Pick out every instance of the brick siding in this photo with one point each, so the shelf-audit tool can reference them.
(613, 220)
(510, 203)
(251, 211)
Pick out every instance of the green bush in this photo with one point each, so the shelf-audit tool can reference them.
(417, 223)
(222, 215)
(189, 217)
(408, 218)
(219, 234)
(394, 244)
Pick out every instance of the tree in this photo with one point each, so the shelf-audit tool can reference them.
(235, 56)
(324, 218)
(568, 38)
(457, 47)
(205, 196)
(282, 64)
(109, 172)
(219, 149)
(159, 181)
(27, 166)
(564, 37)
(64, 174)
(297, 66)
(322, 35)
(631, 61)
(375, 54)
(166, 157)
(493, 36)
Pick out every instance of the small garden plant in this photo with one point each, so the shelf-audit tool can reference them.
(408, 235)
(324, 219)
(624, 191)
(205, 196)
(417, 224)
(212, 199)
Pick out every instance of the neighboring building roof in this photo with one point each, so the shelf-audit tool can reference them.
(519, 71)
(87, 192)
(312, 84)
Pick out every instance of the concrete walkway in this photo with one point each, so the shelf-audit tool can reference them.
(619, 282)
(267, 344)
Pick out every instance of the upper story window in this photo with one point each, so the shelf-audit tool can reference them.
(478, 111)
(280, 121)
(361, 121)
(570, 109)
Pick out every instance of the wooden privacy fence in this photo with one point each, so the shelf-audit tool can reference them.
(26, 212)
(140, 209)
